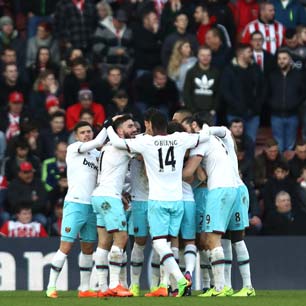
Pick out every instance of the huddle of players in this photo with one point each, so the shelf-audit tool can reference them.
(162, 204)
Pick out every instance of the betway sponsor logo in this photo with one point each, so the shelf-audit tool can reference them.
(90, 164)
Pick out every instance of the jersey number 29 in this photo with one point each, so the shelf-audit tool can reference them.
(169, 161)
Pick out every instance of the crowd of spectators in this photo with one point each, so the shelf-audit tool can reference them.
(238, 63)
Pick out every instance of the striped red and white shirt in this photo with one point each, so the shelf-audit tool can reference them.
(273, 34)
(18, 229)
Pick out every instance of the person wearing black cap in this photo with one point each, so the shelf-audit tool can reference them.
(113, 43)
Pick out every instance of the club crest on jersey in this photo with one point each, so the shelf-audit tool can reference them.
(67, 229)
(136, 229)
(105, 206)
(244, 200)
(123, 223)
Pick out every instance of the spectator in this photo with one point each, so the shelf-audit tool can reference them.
(284, 218)
(80, 78)
(57, 218)
(13, 116)
(104, 11)
(170, 10)
(297, 53)
(298, 162)
(77, 30)
(245, 164)
(45, 39)
(272, 30)
(201, 87)
(51, 136)
(46, 85)
(245, 11)
(301, 35)
(156, 90)
(286, 85)
(205, 23)
(265, 163)
(120, 105)
(221, 53)
(181, 60)
(30, 189)
(242, 90)
(43, 62)
(147, 40)
(290, 14)
(9, 38)
(113, 44)
(52, 106)
(85, 102)
(106, 89)
(8, 56)
(38, 11)
(11, 82)
(23, 227)
(11, 163)
(54, 169)
(224, 16)
(265, 60)
(4, 215)
(238, 132)
(181, 23)
(28, 132)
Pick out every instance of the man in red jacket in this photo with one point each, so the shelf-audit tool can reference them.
(73, 112)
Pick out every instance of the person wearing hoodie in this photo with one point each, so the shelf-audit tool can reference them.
(242, 90)
(113, 43)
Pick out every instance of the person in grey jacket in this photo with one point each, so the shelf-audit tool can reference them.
(43, 38)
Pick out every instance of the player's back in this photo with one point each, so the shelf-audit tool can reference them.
(113, 165)
(139, 180)
(164, 156)
(217, 163)
(82, 170)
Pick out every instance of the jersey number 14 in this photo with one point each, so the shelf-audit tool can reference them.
(169, 160)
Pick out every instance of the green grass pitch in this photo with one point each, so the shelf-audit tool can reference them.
(263, 298)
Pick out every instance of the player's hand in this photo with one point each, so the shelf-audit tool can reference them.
(255, 221)
(116, 117)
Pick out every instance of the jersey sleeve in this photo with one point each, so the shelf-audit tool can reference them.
(4, 229)
(198, 151)
(190, 140)
(136, 145)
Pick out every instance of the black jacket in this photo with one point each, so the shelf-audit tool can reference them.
(242, 89)
(285, 94)
(39, 7)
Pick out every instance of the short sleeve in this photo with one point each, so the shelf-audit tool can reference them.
(190, 141)
(198, 151)
(136, 145)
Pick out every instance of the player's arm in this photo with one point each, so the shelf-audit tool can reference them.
(93, 144)
(204, 133)
(219, 131)
(116, 141)
(191, 166)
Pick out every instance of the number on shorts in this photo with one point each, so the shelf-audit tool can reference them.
(201, 220)
(237, 217)
(207, 219)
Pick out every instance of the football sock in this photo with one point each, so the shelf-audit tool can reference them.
(56, 267)
(228, 259)
(123, 271)
(137, 258)
(85, 264)
(115, 258)
(155, 265)
(102, 267)
(205, 268)
(217, 264)
(190, 254)
(243, 260)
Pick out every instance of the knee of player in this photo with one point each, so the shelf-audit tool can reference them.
(237, 236)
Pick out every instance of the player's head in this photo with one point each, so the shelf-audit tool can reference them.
(174, 126)
(83, 131)
(181, 114)
(125, 127)
(158, 124)
(187, 124)
(197, 122)
(147, 119)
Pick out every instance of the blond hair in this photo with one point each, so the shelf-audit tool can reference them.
(176, 59)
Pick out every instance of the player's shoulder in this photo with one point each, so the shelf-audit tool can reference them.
(74, 147)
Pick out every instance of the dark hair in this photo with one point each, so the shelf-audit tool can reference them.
(174, 126)
(159, 123)
(21, 143)
(28, 126)
(23, 205)
(46, 26)
(271, 142)
(87, 111)
(110, 68)
(256, 33)
(235, 120)
(119, 121)
(57, 114)
(241, 47)
(188, 120)
(10, 64)
(199, 119)
(159, 69)
(300, 142)
(283, 50)
(5, 49)
(79, 61)
(290, 33)
(282, 165)
(148, 113)
(81, 124)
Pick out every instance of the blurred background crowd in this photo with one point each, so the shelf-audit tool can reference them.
(236, 63)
